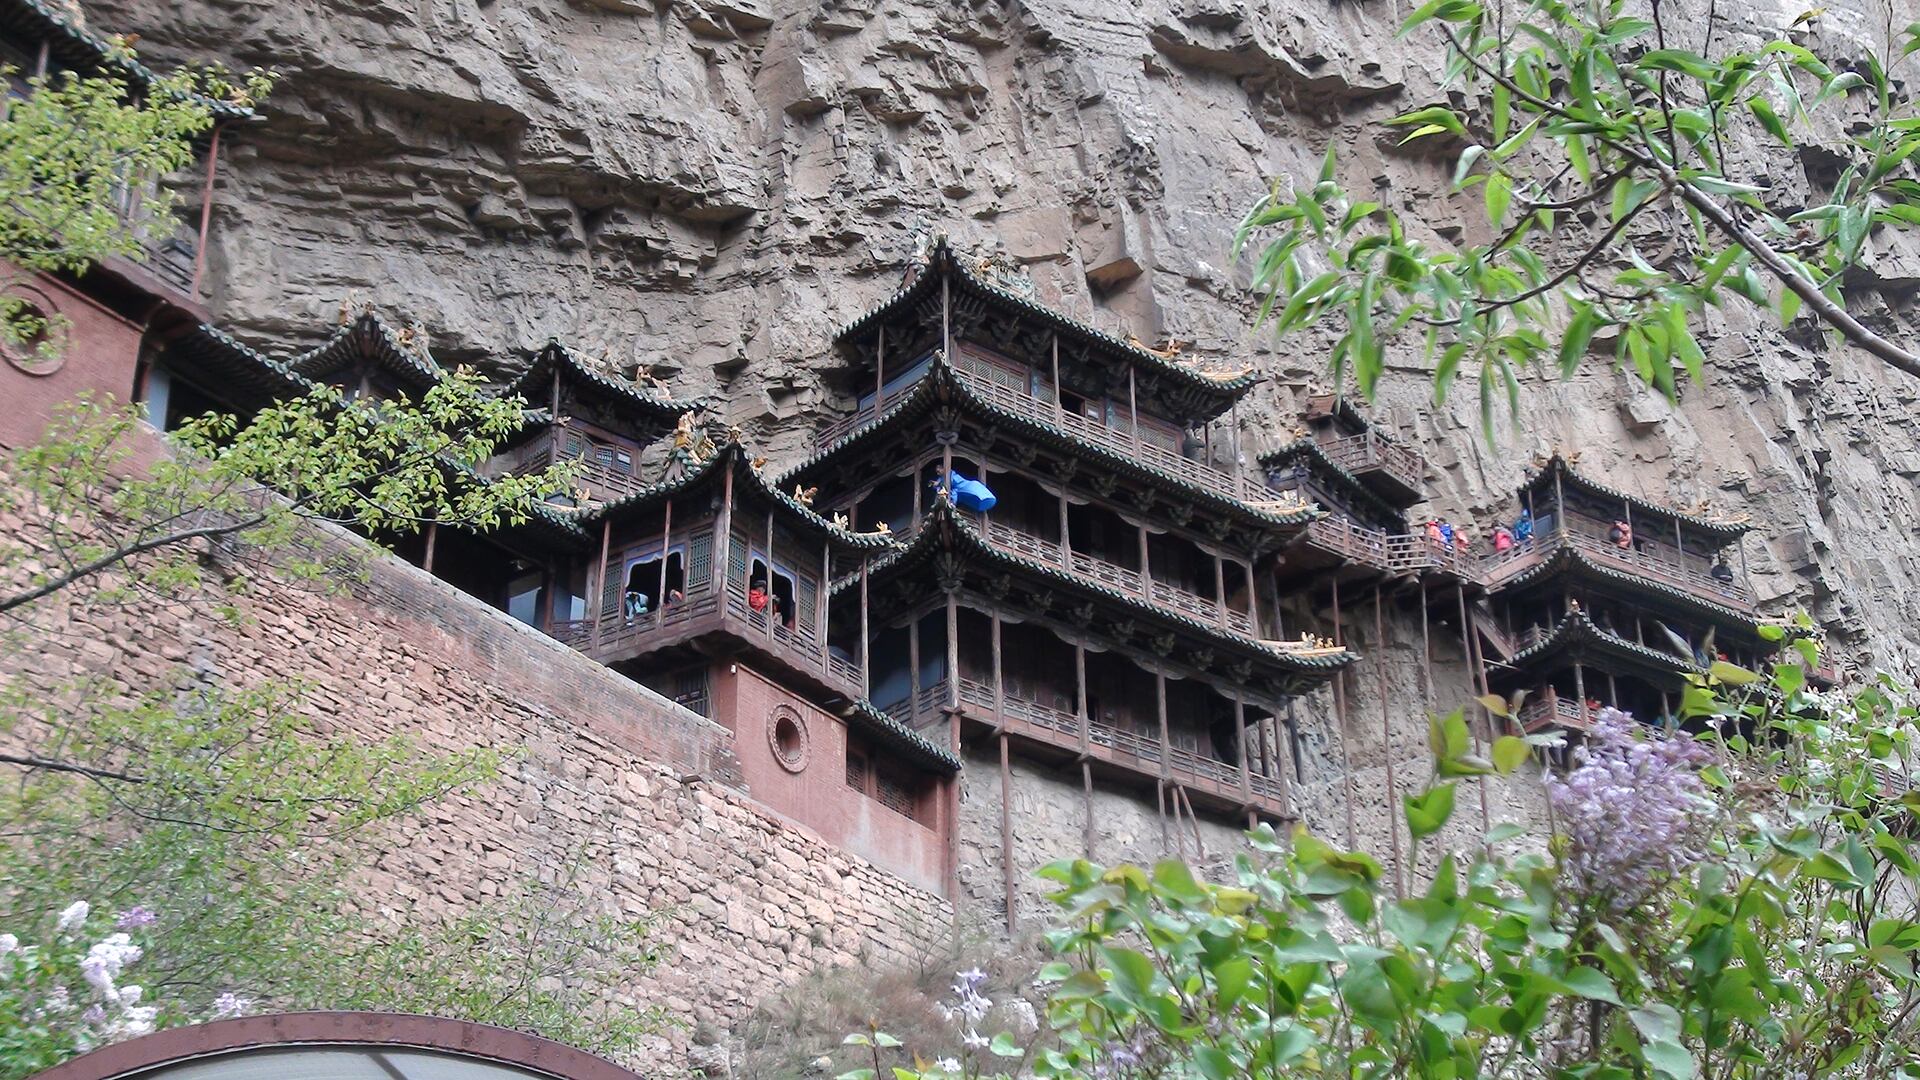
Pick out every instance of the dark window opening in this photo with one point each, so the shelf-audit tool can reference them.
(523, 598)
(643, 592)
(890, 501)
(770, 593)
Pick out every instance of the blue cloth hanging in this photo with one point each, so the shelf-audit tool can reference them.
(972, 495)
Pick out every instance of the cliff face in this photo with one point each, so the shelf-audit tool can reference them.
(713, 185)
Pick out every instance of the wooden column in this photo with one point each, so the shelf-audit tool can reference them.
(1006, 825)
(1239, 479)
(1133, 410)
(600, 584)
(822, 600)
(1080, 688)
(206, 201)
(953, 662)
(1386, 741)
(1340, 712)
(433, 533)
(772, 618)
(1580, 691)
(723, 539)
(1059, 406)
(1146, 574)
(999, 689)
(666, 541)
(866, 647)
(1476, 684)
(1086, 787)
(946, 319)
(1559, 505)
(1220, 590)
(879, 371)
(1166, 747)
(913, 667)
(1066, 545)
(1240, 746)
(1280, 758)
(1253, 599)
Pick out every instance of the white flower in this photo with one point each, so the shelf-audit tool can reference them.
(9, 944)
(950, 1066)
(130, 995)
(73, 915)
(973, 1040)
(98, 971)
(230, 1004)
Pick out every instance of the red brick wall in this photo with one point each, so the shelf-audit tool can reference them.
(102, 353)
(816, 793)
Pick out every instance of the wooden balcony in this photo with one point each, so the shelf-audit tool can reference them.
(1147, 452)
(1396, 472)
(1389, 553)
(1117, 577)
(599, 483)
(705, 610)
(1219, 784)
(1546, 713)
(1653, 560)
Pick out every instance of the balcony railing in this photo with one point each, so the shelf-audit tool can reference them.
(602, 483)
(1652, 560)
(1393, 553)
(1025, 404)
(1128, 749)
(1370, 451)
(1117, 577)
(1542, 713)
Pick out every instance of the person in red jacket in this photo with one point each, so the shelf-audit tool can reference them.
(757, 596)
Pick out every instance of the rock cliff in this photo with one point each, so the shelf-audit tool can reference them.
(711, 186)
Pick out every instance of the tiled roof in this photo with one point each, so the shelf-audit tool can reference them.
(1542, 479)
(942, 385)
(80, 48)
(943, 522)
(1308, 447)
(870, 720)
(942, 258)
(1577, 629)
(1567, 557)
(531, 386)
(368, 337)
(732, 455)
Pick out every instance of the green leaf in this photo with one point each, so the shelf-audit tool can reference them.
(1509, 753)
(1732, 674)
(1004, 1046)
(1669, 1059)
(1499, 196)
(1592, 984)
(1579, 336)
(1427, 813)
(1214, 1063)
(1132, 972)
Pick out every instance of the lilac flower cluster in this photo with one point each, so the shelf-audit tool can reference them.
(1632, 810)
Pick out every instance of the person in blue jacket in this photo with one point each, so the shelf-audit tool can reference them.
(1523, 528)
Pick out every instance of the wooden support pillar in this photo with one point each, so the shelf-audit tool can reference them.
(1086, 787)
(999, 689)
(600, 584)
(1166, 751)
(1476, 684)
(1340, 712)
(879, 371)
(1220, 590)
(822, 597)
(772, 616)
(1080, 704)
(206, 206)
(1059, 405)
(1559, 505)
(1240, 747)
(1580, 691)
(953, 662)
(1253, 599)
(1280, 771)
(866, 645)
(913, 667)
(1133, 410)
(1146, 574)
(666, 542)
(946, 318)
(1066, 542)
(1239, 480)
(1386, 742)
(723, 538)
(433, 534)
(1613, 691)
(1006, 823)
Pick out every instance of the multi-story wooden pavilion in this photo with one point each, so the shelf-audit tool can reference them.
(1615, 600)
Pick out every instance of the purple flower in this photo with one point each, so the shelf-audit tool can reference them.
(1632, 810)
(135, 918)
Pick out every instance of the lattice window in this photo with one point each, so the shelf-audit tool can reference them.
(894, 790)
(737, 561)
(699, 560)
(610, 592)
(805, 599)
(857, 770)
(690, 688)
(999, 372)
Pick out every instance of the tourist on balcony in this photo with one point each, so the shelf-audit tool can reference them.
(1721, 572)
(1446, 535)
(1523, 529)
(1460, 542)
(674, 596)
(1621, 535)
(1502, 540)
(1433, 531)
(636, 604)
(757, 596)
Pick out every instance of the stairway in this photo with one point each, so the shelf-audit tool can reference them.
(1500, 646)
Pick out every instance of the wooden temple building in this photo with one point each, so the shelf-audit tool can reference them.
(1024, 541)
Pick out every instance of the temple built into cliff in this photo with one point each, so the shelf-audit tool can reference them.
(1022, 542)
